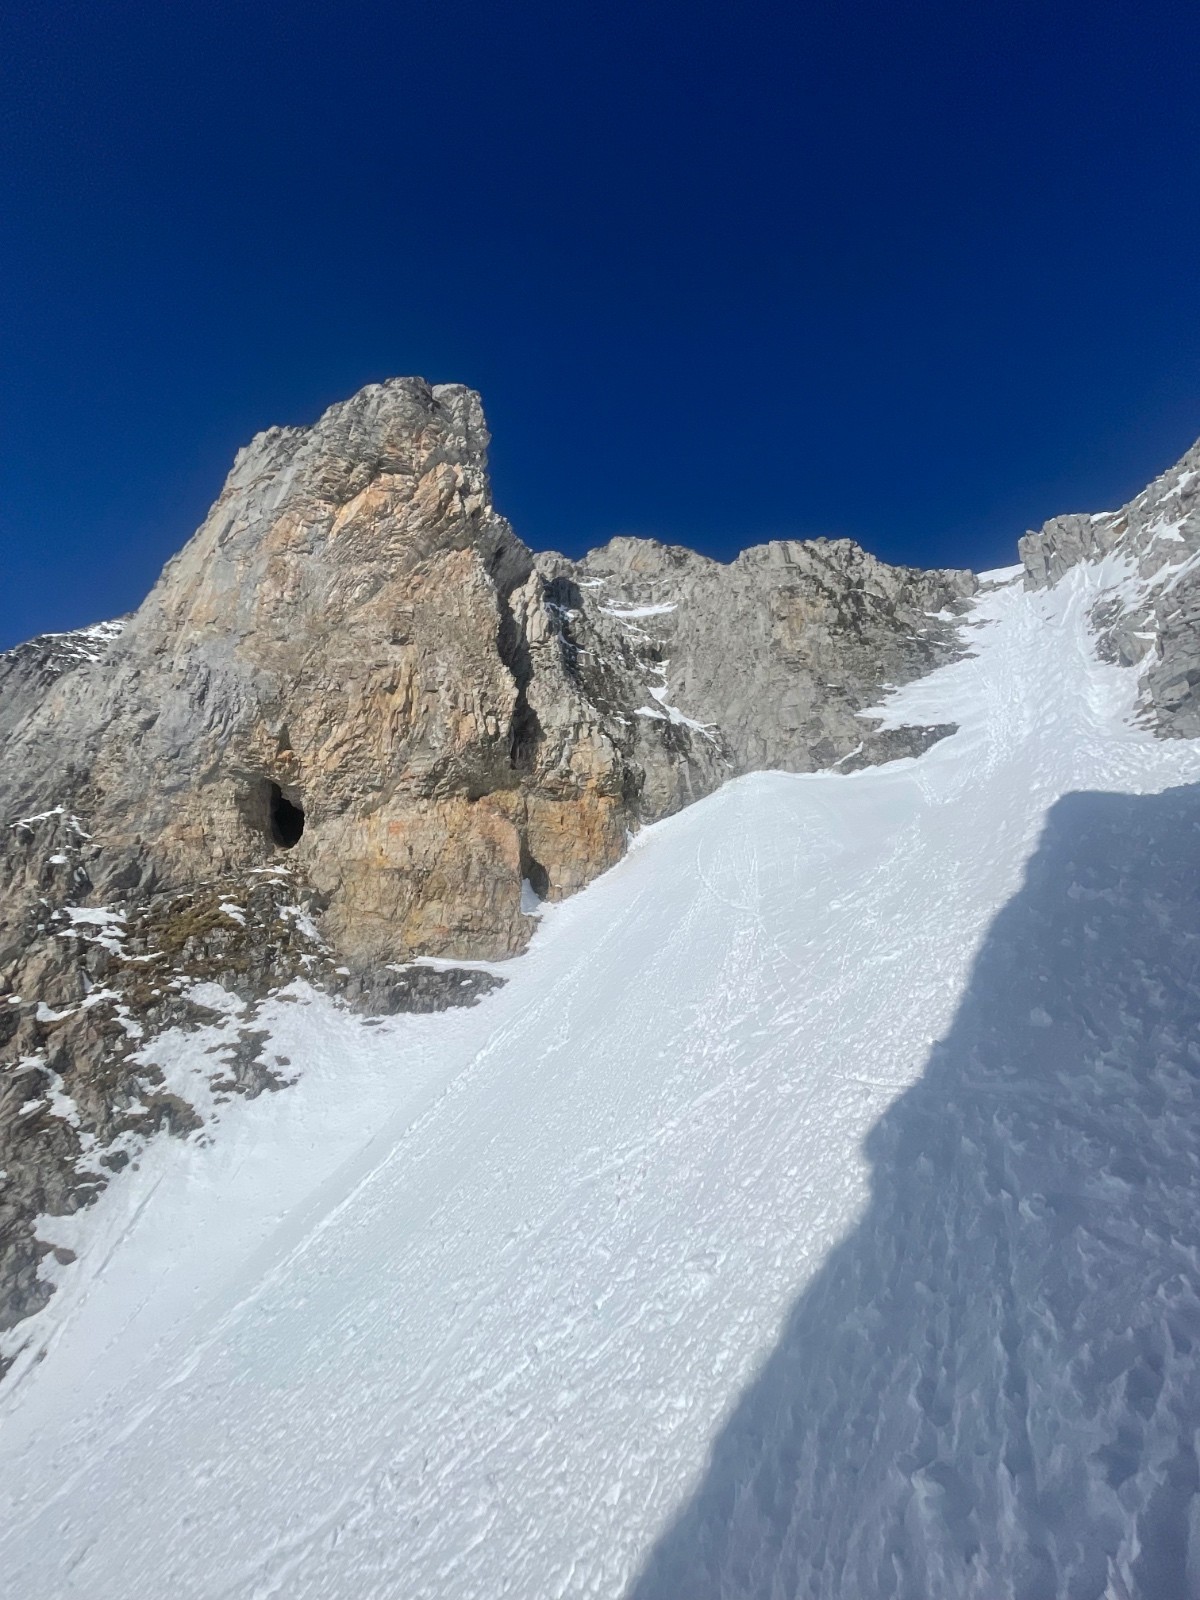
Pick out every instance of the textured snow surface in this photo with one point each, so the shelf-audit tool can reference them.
(813, 1213)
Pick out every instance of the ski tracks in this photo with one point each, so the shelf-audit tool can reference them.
(490, 1356)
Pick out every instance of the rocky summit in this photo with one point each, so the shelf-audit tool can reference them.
(358, 724)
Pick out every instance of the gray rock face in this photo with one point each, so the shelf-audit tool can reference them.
(1151, 610)
(353, 721)
(774, 655)
(29, 670)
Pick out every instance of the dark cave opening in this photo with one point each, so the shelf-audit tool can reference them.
(287, 819)
(534, 873)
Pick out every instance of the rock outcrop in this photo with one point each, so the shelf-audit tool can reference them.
(27, 672)
(355, 646)
(1149, 615)
(358, 722)
(775, 655)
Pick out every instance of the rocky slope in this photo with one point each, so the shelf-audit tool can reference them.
(29, 670)
(1149, 615)
(358, 722)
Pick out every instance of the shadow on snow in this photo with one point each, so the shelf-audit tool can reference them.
(992, 1386)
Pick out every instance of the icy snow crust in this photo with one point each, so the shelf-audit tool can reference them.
(811, 1214)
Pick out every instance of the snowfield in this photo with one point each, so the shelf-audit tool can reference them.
(813, 1213)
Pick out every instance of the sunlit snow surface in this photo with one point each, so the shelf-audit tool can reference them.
(811, 1214)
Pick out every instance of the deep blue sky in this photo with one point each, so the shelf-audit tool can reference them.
(921, 273)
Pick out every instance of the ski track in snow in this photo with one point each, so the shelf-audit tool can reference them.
(593, 1288)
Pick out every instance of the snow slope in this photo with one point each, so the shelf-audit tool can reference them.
(810, 1214)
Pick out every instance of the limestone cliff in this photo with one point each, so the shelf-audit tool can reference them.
(357, 721)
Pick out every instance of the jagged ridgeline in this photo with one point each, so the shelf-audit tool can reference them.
(356, 736)
(357, 662)
(358, 721)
